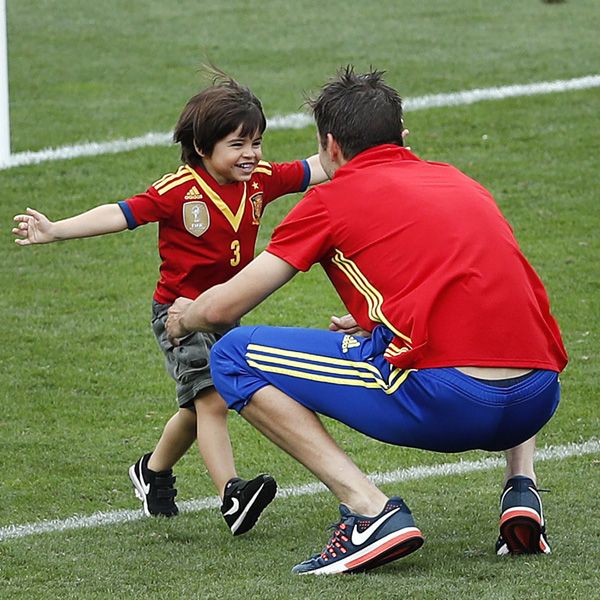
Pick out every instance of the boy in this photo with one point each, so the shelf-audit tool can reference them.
(208, 212)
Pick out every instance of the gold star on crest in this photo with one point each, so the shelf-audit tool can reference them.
(255, 185)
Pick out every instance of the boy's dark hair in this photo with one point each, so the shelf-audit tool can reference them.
(214, 113)
(360, 111)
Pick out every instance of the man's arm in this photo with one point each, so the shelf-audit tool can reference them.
(221, 306)
(35, 228)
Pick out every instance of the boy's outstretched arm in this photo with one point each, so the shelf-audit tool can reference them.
(317, 174)
(33, 227)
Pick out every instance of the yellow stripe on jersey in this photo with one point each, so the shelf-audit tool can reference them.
(316, 368)
(265, 164)
(234, 220)
(174, 184)
(171, 180)
(264, 167)
(372, 296)
(168, 177)
(392, 351)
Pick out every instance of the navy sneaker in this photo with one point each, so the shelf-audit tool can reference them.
(362, 543)
(244, 501)
(154, 488)
(522, 526)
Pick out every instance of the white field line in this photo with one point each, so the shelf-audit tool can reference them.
(301, 120)
(413, 473)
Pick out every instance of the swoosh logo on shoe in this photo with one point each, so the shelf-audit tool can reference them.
(234, 508)
(145, 486)
(360, 537)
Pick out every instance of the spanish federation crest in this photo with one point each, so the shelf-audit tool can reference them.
(196, 217)
(257, 207)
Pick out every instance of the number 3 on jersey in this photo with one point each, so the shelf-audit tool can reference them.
(235, 248)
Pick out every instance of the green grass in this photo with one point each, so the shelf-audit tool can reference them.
(83, 391)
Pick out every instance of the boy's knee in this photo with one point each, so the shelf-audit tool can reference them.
(210, 402)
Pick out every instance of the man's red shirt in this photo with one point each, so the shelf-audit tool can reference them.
(423, 249)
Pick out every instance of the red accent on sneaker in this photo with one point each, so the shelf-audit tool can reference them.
(412, 534)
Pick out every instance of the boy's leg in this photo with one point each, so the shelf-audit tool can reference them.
(178, 435)
(152, 475)
(213, 437)
(242, 501)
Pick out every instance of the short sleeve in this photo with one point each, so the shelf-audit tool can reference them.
(146, 208)
(283, 178)
(304, 237)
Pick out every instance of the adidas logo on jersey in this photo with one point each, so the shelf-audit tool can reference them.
(193, 194)
(349, 342)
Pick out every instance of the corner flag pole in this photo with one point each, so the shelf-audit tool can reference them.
(4, 113)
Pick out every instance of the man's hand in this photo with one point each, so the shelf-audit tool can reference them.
(174, 327)
(348, 325)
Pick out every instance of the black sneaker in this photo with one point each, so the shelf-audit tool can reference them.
(522, 526)
(362, 543)
(154, 488)
(244, 501)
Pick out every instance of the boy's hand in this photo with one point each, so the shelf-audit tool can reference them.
(348, 325)
(405, 134)
(33, 228)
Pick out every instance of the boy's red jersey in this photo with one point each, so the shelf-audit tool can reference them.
(207, 231)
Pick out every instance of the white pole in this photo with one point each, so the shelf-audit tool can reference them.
(4, 112)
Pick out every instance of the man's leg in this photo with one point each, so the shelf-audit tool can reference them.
(373, 530)
(519, 460)
(522, 525)
(301, 434)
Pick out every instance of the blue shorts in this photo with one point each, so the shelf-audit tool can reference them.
(346, 378)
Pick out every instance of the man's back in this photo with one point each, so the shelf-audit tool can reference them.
(424, 249)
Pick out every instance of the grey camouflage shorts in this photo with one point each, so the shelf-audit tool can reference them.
(188, 363)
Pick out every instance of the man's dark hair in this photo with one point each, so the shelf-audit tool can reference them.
(214, 113)
(359, 110)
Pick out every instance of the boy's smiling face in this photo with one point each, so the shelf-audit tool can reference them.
(234, 158)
